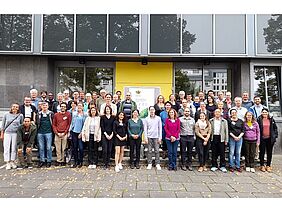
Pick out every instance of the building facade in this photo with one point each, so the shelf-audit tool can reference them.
(169, 52)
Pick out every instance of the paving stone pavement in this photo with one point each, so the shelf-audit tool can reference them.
(64, 182)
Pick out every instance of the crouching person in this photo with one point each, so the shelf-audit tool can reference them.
(26, 134)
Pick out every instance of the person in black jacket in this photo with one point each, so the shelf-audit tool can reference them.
(268, 135)
(202, 109)
(106, 123)
(28, 110)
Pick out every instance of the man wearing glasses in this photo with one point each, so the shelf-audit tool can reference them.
(61, 125)
(127, 106)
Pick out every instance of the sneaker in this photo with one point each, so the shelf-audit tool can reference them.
(73, 165)
(149, 167)
(48, 164)
(158, 167)
(223, 169)
(183, 168)
(205, 168)
(239, 170)
(213, 169)
(200, 169)
(190, 168)
(268, 168)
(248, 169)
(231, 169)
(41, 164)
(8, 166)
(79, 165)
(20, 167)
(117, 169)
(262, 168)
(94, 166)
(132, 166)
(90, 166)
(29, 166)
(13, 165)
(120, 166)
(253, 170)
(170, 168)
(137, 166)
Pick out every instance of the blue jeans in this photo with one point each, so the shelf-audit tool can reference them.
(235, 150)
(172, 152)
(45, 140)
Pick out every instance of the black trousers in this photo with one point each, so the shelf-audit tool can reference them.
(202, 151)
(135, 146)
(107, 149)
(92, 150)
(265, 144)
(250, 147)
(218, 149)
(186, 147)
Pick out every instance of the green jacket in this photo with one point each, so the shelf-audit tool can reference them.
(31, 136)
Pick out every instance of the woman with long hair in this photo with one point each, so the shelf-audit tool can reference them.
(10, 124)
(174, 104)
(107, 121)
(252, 139)
(211, 105)
(172, 136)
(203, 133)
(268, 135)
(91, 133)
(160, 105)
(120, 135)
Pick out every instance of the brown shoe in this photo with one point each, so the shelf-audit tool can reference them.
(262, 168)
(201, 169)
(268, 169)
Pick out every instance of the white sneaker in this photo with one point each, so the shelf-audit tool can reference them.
(94, 166)
(149, 167)
(117, 169)
(158, 167)
(253, 170)
(90, 166)
(213, 169)
(248, 169)
(8, 166)
(13, 165)
(120, 166)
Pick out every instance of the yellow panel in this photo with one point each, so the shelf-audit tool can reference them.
(154, 74)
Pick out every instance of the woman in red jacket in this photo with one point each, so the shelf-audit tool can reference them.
(172, 130)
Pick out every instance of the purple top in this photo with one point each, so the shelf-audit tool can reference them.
(252, 133)
(172, 128)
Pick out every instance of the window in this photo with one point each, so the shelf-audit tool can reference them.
(91, 33)
(267, 85)
(269, 34)
(165, 33)
(228, 29)
(124, 33)
(197, 34)
(15, 32)
(58, 33)
(72, 79)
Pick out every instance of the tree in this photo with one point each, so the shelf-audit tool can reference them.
(182, 82)
(273, 34)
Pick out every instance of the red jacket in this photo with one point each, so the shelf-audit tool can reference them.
(61, 122)
(172, 128)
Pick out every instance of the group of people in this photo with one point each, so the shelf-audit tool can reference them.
(204, 121)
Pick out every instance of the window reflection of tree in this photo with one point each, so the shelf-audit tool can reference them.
(71, 79)
(273, 34)
(95, 78)
(182, 82)
(58, 33)
(15, 32)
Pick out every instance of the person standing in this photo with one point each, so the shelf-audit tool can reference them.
(268, 135)
(108, 101)
(252, 139)
(174, 104)
(241, 111)
(246, 102)
(45, 134)
(26, 135)
(116, 101)
(172, 136)
(228, 101)
(135, 130)
(120, 135)
(127, 106)
(211, 105)
(236, 132)
(56, 106)
(160, 105)
(153, 136)
(77, 123)
(27, 109)
(223, 110)
(34, 97)
(50, 101)
(183, 107)
(203, 133)
(61, 125)
(107, 122)
(257, 107)
(91, 133)
(10, 124)
(202, 109)
(219, 139)
(196, 104)
(187, 132)
(101, 99)
(164, 116)
(87, 101)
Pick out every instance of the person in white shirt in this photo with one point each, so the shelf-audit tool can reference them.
(108, 102)
(241, 111)
(153, 136)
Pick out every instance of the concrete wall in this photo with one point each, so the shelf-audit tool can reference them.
(18, 74)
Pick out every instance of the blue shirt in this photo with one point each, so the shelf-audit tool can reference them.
(77, 122)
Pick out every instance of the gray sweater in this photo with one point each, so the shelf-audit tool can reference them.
(153, 127)
(13, 127)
